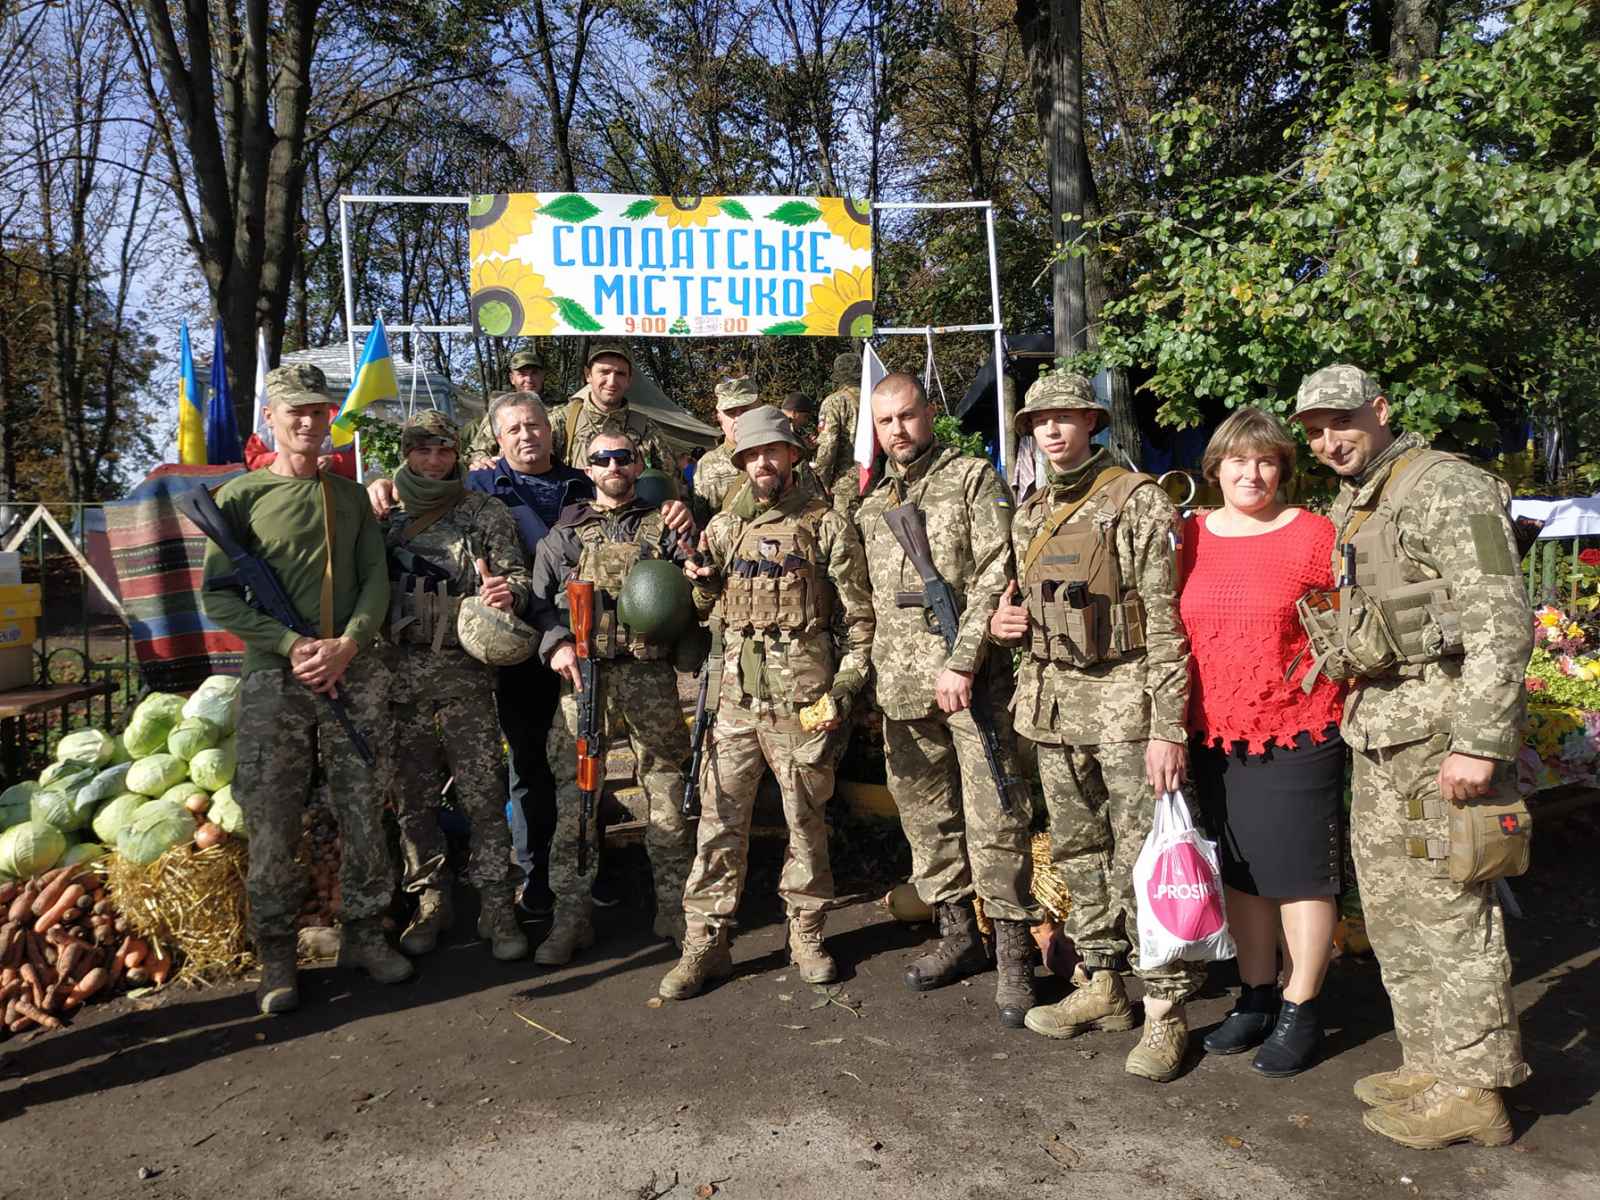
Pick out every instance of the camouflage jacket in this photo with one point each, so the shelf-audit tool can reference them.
(968, 512)
(807, 661)
(1130, 700)
(478, 526)
(1455, 525)
(571, 446)
(478, 441)
(835, 462)
(714, 478)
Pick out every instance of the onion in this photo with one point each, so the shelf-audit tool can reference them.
(209, 835)
(198, 803)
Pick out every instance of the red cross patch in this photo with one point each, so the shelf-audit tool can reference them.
(1510, 824)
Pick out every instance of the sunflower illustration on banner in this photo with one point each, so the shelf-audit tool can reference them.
(670, 266)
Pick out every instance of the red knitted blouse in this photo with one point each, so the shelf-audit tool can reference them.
(1237, 605)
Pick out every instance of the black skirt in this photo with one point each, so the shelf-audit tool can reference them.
(1276, 816)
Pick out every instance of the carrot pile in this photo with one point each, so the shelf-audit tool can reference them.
(63, 943)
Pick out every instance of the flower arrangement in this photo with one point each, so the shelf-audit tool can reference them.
(1563, 683)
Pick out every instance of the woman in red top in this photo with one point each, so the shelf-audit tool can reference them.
(1268, 762)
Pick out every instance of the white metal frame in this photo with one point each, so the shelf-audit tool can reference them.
(993, 325)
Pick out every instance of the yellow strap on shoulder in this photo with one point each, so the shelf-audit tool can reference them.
(327, 550)
(1065, 513)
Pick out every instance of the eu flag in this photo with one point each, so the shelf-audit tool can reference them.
(222, 429)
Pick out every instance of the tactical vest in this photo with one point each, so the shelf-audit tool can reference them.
(606, 564)
(1080, 612)
(775, 578)
(1394, 612)
(636, 426)
(424, 602)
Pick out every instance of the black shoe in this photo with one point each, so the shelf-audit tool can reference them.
(1293, 1043)
(1252, 1019)
(537, 901)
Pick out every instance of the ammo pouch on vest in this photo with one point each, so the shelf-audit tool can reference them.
(1488, 838)
(772, 582)
(1079, 613)
(422, 612)
(1353, 634)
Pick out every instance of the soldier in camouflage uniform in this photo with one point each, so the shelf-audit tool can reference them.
(1103, 693)
(785, 576)
(835, 463)
(444, 543)
(1425, 735)
(281, 513)
(601, 405)
(717, 478)
(801, 410)
(962, 841)
(527, 369)
(599, 540)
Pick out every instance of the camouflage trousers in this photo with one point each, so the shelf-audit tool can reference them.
(640, 702)
(961, 841)
(1100, 813)
(444, 725)
(1441, 945)
(743, 745)
(284, 729)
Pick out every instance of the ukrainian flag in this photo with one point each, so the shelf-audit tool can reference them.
(191, 417)
(374, 380)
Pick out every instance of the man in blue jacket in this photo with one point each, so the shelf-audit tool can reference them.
(535, 489)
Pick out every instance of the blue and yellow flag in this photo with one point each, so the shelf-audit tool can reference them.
(374, 380)
(191, 417)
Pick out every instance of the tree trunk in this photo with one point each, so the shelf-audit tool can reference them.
(1416, 31)
(1068, 166)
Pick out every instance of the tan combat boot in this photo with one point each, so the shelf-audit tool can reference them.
(435, 915)
(1013, 961)
(1442, 1114)
(365, 946)
(1159, 1054)
(1389, 1087)
(1096, 1002)
(277, 992)
(497, 922)
(705, 957)
(572, 931)
(806, 950)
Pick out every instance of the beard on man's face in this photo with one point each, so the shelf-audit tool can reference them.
(615, 486)
(768, 488)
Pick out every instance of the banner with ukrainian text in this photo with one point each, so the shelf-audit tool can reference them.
(670, 266)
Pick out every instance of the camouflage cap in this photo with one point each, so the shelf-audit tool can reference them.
(734, 394)
(1340, 386)
(526, 358)
(847, 367)
(494, 636)
(761, 427)
(298, 385)
(609, 348)
(1059, 391)
(429, 428)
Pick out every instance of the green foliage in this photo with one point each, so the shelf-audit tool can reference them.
(735, 210)
(1440, 232)
(576, 209)
(948, 431)
(1559, 688)
(795, 212)
(576, 315)
(380, 445)
(639, 209)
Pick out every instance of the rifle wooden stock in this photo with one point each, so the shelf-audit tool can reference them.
(580, 609)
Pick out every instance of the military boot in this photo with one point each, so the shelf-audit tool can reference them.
(1159, 1054)
(435, 915)
(497, 921)
(806, 950)
(277, 991)
(959, 951)
(669, 925)
(1097, 1001)
(1013, 959)
(1388, 1087)
(1442, 1114)
(365, 946)
(705, 957)
(571, 932)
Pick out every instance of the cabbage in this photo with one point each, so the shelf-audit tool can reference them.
(16, 803)
(213, 769)
(156, 828)
(216, 702)
(88, 746)
(225, 811)
(56, 772)
(116, 815)
(179, 793)
(192, 735)
(81, 853)
(155, 774)
(151, 722)
(119, 751)
(56, 807)
(30, 848)
(110, 782)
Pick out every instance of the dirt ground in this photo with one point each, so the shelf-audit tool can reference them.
(764, 1087)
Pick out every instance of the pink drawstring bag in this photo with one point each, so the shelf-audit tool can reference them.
(1179, 891)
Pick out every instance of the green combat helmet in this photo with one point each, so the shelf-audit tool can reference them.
(654, 487)
(493, 636)
(656, 602)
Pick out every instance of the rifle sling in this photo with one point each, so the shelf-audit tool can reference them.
(327, 552)
(1062, 515)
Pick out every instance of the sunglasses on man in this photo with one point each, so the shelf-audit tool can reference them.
(601, 458)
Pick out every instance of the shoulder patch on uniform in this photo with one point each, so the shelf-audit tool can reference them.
(1489, 543)
(1002, 502)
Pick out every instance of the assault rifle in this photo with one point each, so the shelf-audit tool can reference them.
(591, 758)
(403, 562)
(262, 590)
(937, 599)
(703, 717)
